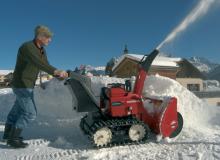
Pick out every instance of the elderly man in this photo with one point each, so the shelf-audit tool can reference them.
(31, 59)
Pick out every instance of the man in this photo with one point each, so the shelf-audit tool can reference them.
(31, 59)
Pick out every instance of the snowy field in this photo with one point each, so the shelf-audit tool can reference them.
(55, 135)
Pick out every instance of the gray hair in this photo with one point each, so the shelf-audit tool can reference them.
(42, 30)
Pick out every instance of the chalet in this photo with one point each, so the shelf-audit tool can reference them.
(189, 76)
(176, 68)
(179, 69)
(127, 66)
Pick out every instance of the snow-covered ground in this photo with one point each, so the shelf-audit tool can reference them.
(56, 134)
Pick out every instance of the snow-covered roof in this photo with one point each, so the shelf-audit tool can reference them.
(5, 72)
(100, 68)
(158, 61)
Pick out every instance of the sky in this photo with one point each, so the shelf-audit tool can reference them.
(93, 31)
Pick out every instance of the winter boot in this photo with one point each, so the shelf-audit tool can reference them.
(7, 131)
(14, 140)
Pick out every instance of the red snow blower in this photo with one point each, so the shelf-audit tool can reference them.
(123, 116)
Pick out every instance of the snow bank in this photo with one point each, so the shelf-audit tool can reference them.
(52, 103)
(5, 91)
(6, 101)
(56, 102)
(197, 114)
(98, 82)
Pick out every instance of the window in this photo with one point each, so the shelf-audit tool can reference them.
(193, 87)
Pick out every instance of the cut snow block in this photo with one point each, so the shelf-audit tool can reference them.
(83, 97)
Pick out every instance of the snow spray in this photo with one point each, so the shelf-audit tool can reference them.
(200, 9)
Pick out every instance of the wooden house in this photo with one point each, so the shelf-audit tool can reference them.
(176, 68)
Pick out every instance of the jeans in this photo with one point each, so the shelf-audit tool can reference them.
(24, 109)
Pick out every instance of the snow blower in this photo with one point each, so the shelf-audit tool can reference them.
(121, 115)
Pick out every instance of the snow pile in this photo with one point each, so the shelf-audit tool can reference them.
(6, 101)
(56, 102)
(98, 82)
(5, 91)
(56, 133)
(5, 72)
(196, 113)
(52, 103)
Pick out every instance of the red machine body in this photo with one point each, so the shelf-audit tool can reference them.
(162, 117)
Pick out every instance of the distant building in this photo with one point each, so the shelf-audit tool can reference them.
(7, 75)
(5, 78)
(189, 76)
(127, 66)
(90, 70)
(176, 68)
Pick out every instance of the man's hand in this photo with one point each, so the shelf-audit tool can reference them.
(60, 74)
